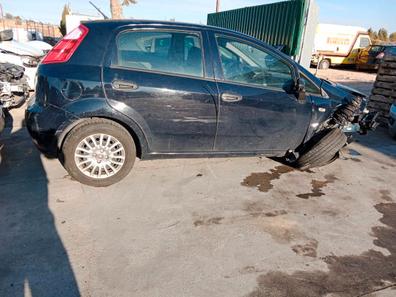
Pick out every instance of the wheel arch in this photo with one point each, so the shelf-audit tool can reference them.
(134, 131)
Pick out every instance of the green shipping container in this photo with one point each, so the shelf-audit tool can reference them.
(278, 24)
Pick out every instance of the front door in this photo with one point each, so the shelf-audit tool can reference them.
(258, 110)
(156, 77)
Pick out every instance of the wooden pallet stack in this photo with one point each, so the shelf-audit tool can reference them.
(384, 91)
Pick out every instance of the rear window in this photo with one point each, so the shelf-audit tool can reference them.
(171, 52)
(376, 49)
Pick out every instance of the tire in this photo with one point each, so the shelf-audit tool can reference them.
(104, 159)
(324, 64)
(322, 149)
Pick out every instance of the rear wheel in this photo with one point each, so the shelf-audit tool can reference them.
(322, 149)
(98, 153)
(324, 64)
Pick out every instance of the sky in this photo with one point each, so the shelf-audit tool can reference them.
(364, 13)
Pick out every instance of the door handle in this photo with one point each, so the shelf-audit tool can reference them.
(231, 97)
(124, 85)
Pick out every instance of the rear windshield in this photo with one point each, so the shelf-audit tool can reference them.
(376, 49)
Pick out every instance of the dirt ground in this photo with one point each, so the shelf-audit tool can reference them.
(201, 227)
(362, 81)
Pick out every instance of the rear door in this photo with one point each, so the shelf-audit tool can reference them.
(258, 110)
(159, 78)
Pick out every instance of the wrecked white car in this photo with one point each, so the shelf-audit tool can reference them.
(20, 54)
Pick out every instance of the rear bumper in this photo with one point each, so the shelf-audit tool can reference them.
(44, 125)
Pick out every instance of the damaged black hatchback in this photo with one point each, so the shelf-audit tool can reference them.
(111, 91)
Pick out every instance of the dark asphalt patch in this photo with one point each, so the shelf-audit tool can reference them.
(347, 276)
(263, 181)
(306, 250)
(317, 187)
(208, 222)
(386, 195)
(259, 209)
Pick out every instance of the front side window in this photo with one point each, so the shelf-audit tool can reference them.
(172, 52)
(310, 87)
(244, 63)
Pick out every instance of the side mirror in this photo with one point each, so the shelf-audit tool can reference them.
(300, 90)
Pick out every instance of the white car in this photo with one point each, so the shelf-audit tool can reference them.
(41, 45)
(23, 55)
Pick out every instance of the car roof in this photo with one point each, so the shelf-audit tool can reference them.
(146, 22)
(124, 22)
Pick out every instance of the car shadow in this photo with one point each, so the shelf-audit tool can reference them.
(32, 256)
(380, 141)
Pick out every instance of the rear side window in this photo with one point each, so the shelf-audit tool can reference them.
(172, 52)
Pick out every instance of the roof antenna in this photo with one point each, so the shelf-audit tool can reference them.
(105, 16)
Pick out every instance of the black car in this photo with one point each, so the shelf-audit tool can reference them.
(371, 57)
(111, 91)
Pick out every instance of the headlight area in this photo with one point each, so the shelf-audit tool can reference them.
(29, 61)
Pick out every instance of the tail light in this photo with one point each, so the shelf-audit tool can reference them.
(380, 55)
(65, 48)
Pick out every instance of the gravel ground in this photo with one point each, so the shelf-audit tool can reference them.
(201, 227)
(362, 81)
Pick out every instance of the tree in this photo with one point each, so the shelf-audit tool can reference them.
(383, 34)
(18, 20)
(392, 37)
(116, 7)
(62, 25)
(9, 16)
(373, 34)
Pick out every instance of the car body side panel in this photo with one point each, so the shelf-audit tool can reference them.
(178, 113)
(267, 120)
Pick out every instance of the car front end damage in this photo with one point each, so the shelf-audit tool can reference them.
(337, 115)
(350, 113)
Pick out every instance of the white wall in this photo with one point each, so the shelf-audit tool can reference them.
(308, 38)
(74, 20)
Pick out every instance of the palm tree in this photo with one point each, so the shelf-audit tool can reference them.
(116, 7)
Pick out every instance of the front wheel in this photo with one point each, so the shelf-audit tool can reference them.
(98, 153)
(324, 64)
(322, 149)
